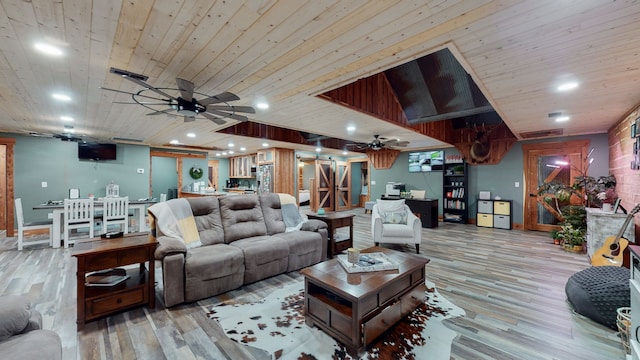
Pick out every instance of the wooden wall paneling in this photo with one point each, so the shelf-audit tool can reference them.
(383, 158)
(620, 157)
(284, 171)
(7, 186)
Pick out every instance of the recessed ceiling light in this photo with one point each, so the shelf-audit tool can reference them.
(61, 97)
(318, 149)
(218, 154)
(231, 151)
(231, 145)
(66, 118)
(49, 49)
(262, 105)
(344, 152)
(567, 86)
(351, 128)
(191, 135)
(174, 142)
(265, 144)
(243, 149)
(224, 153)
(562, 118)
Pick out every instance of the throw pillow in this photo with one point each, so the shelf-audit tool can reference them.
(394, 217)
(390, 205)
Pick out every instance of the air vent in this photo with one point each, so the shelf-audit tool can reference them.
(541, 133)
(115, 138)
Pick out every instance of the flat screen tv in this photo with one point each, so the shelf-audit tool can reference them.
(95, 151)
(425, 161)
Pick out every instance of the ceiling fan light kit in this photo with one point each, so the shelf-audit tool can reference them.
(185, 104)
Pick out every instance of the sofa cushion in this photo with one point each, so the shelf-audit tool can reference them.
(206, 211)
(15, 312)
(271, 209)
(241, 217)
(38, 344)
(213, 269)
(264, 256)
(390, 205)
(305, 248)
(397, 230)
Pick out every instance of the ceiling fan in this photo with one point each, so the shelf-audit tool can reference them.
(379, 142)
(214, 108)
(64, 136)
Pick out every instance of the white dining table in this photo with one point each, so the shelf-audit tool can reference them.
(138, 206)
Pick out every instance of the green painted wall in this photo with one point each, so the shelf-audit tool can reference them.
(56, 162)
(164, 175)
(499, 179)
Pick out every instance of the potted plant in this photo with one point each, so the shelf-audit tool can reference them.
(458, 169)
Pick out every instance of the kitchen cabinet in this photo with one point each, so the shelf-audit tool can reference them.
(241, 166)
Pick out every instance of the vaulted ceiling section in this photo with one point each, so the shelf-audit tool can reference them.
(434, 96)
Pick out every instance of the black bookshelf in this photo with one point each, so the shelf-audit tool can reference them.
(455, 191)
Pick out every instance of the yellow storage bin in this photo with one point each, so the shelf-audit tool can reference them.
(485, 220)
(502, 207)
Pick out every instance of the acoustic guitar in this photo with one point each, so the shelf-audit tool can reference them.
(611, 252)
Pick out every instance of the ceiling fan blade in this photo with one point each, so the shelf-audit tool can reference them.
(160, 112)
(138, 103)
(215, 119)
(244, 109)
(401, 143)
(230, 116)
(145, 85)
(189, 119)
(222, 97)
(186, 88)
(115, 90)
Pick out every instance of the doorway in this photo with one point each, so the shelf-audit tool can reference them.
(560, 163)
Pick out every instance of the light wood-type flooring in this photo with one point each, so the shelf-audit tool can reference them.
(510, 284)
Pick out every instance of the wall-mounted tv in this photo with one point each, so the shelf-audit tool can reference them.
(95, 151)
(425, 161)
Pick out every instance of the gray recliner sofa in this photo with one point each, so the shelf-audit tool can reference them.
(243, 241)
(21, 334)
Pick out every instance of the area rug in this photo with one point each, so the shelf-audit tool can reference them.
(276, 324)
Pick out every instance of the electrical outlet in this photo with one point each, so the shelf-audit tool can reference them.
(373, 182)
(517, 184)
(140, 171)
(43, 184)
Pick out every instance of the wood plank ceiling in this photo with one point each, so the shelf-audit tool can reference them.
(288, 51)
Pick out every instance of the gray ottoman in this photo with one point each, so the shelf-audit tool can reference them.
(597, 292)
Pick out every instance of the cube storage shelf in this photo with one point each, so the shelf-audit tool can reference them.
(495, 214)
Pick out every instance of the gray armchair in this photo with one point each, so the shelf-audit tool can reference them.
(393, 222)
(21, 336)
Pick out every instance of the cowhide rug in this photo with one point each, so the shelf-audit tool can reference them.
(276, 324)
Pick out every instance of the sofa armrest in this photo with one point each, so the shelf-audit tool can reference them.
(15, 315)
(35, 321)
(168, 246)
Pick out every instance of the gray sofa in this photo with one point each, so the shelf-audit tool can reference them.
(21, 334)
(243, 240)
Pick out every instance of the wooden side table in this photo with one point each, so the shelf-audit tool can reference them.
(335, 220)
(101, 254)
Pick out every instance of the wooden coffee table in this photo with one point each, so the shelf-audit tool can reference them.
(355, 308)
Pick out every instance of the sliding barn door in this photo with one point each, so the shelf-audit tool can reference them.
(343, 186)
(325, 184)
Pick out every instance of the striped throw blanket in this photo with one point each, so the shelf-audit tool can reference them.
(174, 218)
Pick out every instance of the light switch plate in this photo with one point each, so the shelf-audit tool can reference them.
(43, 184)
(517, 184)
(140, 171)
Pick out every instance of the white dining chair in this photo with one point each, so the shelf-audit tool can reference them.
(35, 225)
(78, 214)
(116, 212)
